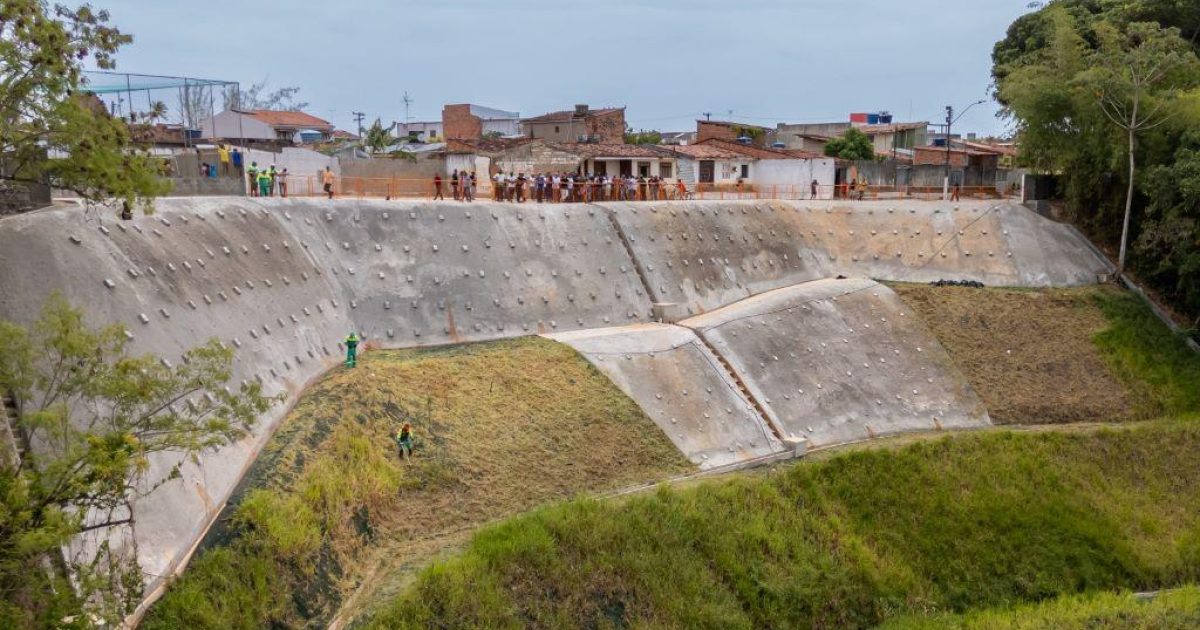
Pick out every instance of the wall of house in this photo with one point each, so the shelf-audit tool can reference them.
(613, 167)
(458, 122)
(299, 162)
(425, 167)
(227, 125)
(794, 176)
(535, 157)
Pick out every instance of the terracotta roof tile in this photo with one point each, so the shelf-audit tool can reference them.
(568, 115)
(706, 151)
(288, 118)
(590, 150)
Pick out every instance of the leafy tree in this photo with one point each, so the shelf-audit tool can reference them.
(853, 145)
(378, 138)
(1169, 244)
(1136, 76)
(642, 136)
(89, 419)
(50, 130)
(257, 97)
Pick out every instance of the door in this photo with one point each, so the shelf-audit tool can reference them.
(626, 168)
(707, 168)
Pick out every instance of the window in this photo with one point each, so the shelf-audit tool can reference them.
(600, 167)
(745, 171)
(555, 128)
(643, 169)
(664, 170)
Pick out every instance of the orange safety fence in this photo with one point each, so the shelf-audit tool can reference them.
(582, 192)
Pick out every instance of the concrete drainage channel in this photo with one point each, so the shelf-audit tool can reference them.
(765, 354)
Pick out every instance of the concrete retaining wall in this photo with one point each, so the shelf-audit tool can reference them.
(282, 280)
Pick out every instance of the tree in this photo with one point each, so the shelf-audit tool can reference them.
(51, 130)
(256, 97)
(1136, 76)
(378, 138)
(89, 419)
(853, 145)
(1168, 247)
(642, 136)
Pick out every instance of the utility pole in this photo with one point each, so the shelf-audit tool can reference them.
(946, 181)
(407, 102)
(358, 118)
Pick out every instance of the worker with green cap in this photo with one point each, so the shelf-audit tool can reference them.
(351, 350)
(264, 183)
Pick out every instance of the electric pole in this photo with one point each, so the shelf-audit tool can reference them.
(946, 182)
(358, 118)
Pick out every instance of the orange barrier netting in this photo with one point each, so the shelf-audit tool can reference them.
(583, 192)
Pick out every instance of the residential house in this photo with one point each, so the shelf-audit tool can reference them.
(472, 122)
(722, 164)
(422, 131)
(582, 124)
(890, 139)
(638, 160)
(734, 132)
(678, 137)
(278, 126)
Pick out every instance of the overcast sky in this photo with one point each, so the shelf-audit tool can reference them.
(667, 61)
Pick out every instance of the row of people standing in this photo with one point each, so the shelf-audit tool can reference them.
(267, 182)
(563, 187)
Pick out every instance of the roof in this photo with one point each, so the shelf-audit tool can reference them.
(485, 145)
(726, 123)
(802, 154)
(706, 151)
(588, 150)
(342, 134)
(892, 128)
(567, 115)
(747, 150)
(937, 149)
(999, 149)
(279, 118)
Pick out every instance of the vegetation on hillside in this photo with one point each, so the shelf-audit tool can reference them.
(1177, 609)
(330, 508)
(1086, 354)
(975, 521)
(1067, 76)
(89, 418)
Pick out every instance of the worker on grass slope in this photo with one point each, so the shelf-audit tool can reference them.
(351, 350)
(404, 441)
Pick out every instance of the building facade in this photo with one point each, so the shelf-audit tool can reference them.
(582, 124)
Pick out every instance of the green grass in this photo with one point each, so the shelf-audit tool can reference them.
(1171, 610)
(1148, 357)
(329, 509)
(975, 521)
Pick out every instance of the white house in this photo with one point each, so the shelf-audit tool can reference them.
(263, 124)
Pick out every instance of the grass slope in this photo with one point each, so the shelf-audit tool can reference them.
(979, 520)
(1172, 610)
(501, 428)
(1061, 355)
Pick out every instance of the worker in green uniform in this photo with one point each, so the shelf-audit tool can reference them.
(404, 441)
(351, 350)
(264, 183)
(252, 172)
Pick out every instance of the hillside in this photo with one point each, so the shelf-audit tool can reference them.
(1040, 356)
(953, 525)
(501, 428)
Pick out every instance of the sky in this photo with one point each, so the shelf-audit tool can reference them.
(666, 61)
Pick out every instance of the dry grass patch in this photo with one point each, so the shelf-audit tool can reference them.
(501, 427)
(1029, 354)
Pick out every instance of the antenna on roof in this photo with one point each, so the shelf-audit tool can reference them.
(707, 115)
(407, 102)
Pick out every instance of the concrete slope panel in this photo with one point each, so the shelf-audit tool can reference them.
(175, 280)
(434, 273)
(682, 387)
(706, 254)
(838, 361)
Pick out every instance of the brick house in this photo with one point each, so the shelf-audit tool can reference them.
(603, 126)
(472, 122)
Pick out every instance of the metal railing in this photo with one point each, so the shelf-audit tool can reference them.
(584, 192)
